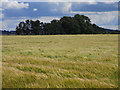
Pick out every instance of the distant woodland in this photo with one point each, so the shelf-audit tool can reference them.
(79, 24)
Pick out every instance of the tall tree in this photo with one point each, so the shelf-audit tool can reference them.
(79, 24)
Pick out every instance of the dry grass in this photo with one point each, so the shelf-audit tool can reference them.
(63, 61)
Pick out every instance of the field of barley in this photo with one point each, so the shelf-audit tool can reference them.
(60, 61)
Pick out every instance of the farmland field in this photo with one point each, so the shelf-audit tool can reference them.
(60, 61)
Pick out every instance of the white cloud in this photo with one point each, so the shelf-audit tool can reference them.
(1, 9)
(1, 15)
(114, 27)
(66, 0)
(4, 26)
(66, 7)
(101, 18)
(105, 18)
(3, 0)
(10, 24)
(6, 4)
(62, 7)
(13, 5)
(35, 9)
(47, 19)
(109, 2)
(92, 3)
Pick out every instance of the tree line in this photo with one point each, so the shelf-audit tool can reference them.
(79, 24)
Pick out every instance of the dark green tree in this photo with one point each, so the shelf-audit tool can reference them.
(79, 24)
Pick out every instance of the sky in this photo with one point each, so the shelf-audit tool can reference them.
(104, 14)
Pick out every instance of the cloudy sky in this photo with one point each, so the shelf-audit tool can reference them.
(104, 14)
